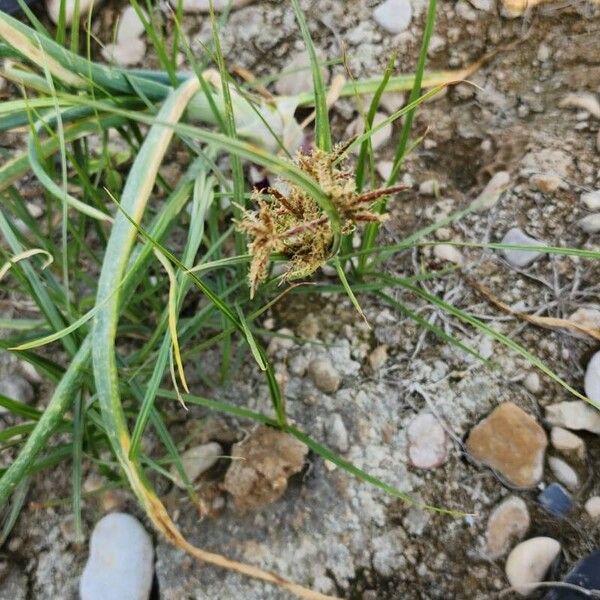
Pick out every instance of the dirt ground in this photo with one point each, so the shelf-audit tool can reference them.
(330, 531)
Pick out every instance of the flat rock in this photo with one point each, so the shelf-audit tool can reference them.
(393, 15)
(197, 460)
(512, 442)
(576, 414)
(585, 574)
(299, 79)
(53, 9)
(556, 501)
(564, 472)
(261, 465)
(567, 443)
(427, 442)
(529, 562)
(520, 258)
(324, 375)
(507, 523)
(121, 561)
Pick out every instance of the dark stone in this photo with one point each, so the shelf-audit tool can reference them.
(585, 574)
(556, 500)
(12, 7)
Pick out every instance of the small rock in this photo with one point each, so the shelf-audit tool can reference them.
(121, 563)
(512, 442)
(556, 500)
(384, 168)
(378, 357)
(564, 472)
(429, 187)
(416, 520)
(544, 52)
(261, 466)
(393, 15)
(17, 388)
(195, 6)
(299, 79)
(529, 561)
(427, 442)
(484, 5)
(585, 574)
(508, 523)
(392, 101)
(491, 193)
(196, 461)
(583, 101)
(53, 9)
(378, 139)
(567, 443)
(592, 506)
(324, 375)
(576, 414)
(281, 343)
(591, 382)
(520, 258)
(546, 182)
(125, 54)
(591, 199)
(336, 432)
(532, 382)
(590, 224)
(449, 253)
(130, 25)
(586, 317)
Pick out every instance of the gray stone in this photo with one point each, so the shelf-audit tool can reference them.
(197, 460)
(529, 562)
(120, 565)
(336, 432)
(520, 258)
(17, 388)
(590, 224)
(299, 79)
(393, 15)
(378, 139)
(428, 443)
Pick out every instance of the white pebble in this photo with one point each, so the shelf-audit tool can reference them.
(197, 460)
(567, 443)
(393, 15)
(130, 25)
(121, 563)
(299, 79)
(384, 168)
(591, 199)
(125, 54)
(582, 100)
(520, 258)
(564, 472)
(337, 434)
(449, 253)
(532, 382)
(428, 444)
(529, 562)
(378, 139)
(53, 9)
(592, 506)
(590, 224)
(586, 317)
(591, 382)
(576, 414)
(491, 193)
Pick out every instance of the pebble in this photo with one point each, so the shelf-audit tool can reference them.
(130, 25)
(53, 9)
(586, 317)
(546, 182)
(17, 388)
(378, 357)
(121, 563)
(567, 443)
(591, 199)
(393, 15)
(324, 375)
(583, 101)
(591, 382)
(378, 139)
(564, 472)
(384, 168)
(429, 187)
(508, 523)
(197, 460)
(484, 5)
(427, 442)
(336, 433)
(556, 501)
(194, 6)
(576, 414)
(392, 101)
(585, 574)
(512, 442)
(590, 223)
(449, 253)
(529, 562)
(128, 53)
(491, 193)
(520, 258)
(592, 506)
(532, 382)
(299, 79)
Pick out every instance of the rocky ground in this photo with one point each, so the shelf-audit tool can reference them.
(493, 442)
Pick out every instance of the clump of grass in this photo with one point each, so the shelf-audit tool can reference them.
(116, 322)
